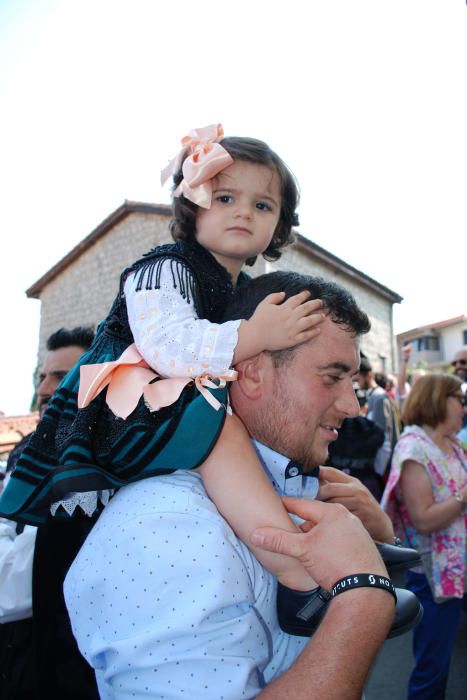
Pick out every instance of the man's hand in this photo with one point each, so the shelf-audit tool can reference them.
(338, 487)
(333, 542)
(406, 351)
(332, 545)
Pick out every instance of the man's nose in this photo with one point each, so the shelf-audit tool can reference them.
(347, 403)
(46, 387)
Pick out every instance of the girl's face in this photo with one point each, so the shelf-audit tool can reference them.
(244, 214)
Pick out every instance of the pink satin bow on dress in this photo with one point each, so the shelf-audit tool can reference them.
(206, 158)
(129, 377)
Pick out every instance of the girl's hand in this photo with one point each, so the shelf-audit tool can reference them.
(284, 324)
(278, 324)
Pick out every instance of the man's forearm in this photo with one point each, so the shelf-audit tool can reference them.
(336, 661)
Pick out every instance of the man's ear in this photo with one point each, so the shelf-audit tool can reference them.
(252, 374)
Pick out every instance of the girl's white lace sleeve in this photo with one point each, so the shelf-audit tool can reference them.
(171, 337)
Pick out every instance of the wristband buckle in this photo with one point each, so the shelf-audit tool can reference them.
(317, 600)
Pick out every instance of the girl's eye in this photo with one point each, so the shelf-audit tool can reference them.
(224, 198)
(263, 206)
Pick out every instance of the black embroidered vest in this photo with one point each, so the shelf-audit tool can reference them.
(195, 273)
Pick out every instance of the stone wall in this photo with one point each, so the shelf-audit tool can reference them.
(83, 292)
(378, 345)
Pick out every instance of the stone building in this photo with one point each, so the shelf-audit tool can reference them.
(80, 288)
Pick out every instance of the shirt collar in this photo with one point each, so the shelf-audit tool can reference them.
(286, 476)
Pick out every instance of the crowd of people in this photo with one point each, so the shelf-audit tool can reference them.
(422, 484)
(170, 530)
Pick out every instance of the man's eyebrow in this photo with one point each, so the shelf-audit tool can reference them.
(341, 366)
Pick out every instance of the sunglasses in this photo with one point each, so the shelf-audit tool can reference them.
(462, 363)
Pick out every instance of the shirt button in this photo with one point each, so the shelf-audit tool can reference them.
(293, 469)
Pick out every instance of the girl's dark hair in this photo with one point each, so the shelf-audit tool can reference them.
(183, 224)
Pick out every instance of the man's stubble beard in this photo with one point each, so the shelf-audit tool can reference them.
(273, 427)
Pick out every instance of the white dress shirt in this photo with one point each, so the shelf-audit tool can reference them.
(166, 602)
(16, 558)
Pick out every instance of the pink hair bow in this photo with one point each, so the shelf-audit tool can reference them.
(130, 377)
(206, 158)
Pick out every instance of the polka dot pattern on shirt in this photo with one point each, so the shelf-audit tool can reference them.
(164, 596)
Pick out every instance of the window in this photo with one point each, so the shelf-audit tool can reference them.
(428, 342)
(464, 335)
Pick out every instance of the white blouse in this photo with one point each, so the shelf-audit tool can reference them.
(166, 602)
(170, 336)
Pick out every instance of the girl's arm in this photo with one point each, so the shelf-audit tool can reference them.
(170, 336)
(177, 343)
(237, 483)
(426, 515)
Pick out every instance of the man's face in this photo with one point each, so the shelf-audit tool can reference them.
(460, 364)
(307, 398)
(56, 365)
(363, 380)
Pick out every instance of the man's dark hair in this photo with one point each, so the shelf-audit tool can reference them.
(381, 379)
(64, 337)
(365, 365)
(337, 301)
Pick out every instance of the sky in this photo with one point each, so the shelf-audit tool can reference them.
(366, 101)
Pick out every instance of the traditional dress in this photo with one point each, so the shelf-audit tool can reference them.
(443, 551)
(93, 450)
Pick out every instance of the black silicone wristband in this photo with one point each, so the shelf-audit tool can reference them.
(363, 581)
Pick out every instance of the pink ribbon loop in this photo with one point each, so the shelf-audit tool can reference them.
(125, 379)
(130, 377)
(204, 382)
(206, 158)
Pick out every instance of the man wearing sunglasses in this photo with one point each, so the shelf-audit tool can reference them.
(460, 364)
(460, 370)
